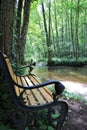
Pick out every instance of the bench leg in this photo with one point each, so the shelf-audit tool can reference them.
(57, 114)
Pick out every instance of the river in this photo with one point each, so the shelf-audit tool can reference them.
(74, 79)
(62, 73)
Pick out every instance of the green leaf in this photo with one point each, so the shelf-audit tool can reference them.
(50, 128)
(26, 128)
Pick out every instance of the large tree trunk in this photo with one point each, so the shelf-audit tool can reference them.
(25, 28)
(6, 25)
(22, 30)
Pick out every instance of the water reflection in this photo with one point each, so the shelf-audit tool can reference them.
(62, 73)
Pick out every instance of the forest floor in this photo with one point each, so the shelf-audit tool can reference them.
(77, 113)
(77, 116)
(76, 87)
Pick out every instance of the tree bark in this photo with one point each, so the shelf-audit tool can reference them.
(57, 47)
(22, 29)
(18, 30)
(45, 25)
(77, 25)
(6, 25)
(72, 33)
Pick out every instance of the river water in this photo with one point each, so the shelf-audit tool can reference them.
(74, 79)
(62, 73)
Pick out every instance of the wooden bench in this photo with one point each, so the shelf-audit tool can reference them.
(30, 95)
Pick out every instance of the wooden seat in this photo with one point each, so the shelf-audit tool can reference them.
(32, 97)
(29, 93)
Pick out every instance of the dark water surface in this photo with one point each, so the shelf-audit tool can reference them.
(62, 73)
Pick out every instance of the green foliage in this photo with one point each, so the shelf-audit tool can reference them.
(72, 96)
(61, 46)
(69, 61)
(6, 108)
(5, 127)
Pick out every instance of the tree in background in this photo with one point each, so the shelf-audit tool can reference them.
(57, 29)
(61, 28)
(47, 32)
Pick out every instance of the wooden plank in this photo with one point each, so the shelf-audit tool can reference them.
(36, 93)
(22, 92)
(29, 93)
(44, 91)
(10, 68)
(16, 88)
(36, 79)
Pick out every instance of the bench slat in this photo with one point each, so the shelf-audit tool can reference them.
(23, 95)
(33, 99)
(42, 92)
(16, 88)
(10, 68)
(45, 94)
(36, 79)
(36, 93)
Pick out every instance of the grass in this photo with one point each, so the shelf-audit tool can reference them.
(73, 96)
(70, 95)
(69, 61)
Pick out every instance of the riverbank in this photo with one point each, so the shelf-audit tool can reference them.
(72, 62)
(74, 87)
(68, 62)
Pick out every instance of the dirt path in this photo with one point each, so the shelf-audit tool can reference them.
(76, 88)
(77, 113)
(77, 116)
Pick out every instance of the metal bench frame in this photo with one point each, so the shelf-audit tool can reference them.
(29, 113)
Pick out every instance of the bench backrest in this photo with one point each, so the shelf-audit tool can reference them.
(7, 70)
(4, 67)
(32, 97)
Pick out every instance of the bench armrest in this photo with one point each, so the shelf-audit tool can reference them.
(59, 87)
(24, 66)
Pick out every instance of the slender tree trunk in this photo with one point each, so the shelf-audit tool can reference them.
(62, 32)
(18, 30)
(45, 25)
(85, 33)
(72, 33)
(50, 42)
(46, 31)
(53, 41)
(66, 28)
(56, 28)
(77, 35)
